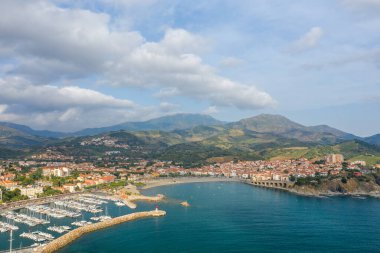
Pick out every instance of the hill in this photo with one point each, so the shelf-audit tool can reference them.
(282, 126)
(374, 139)
(27, 130)
(11, 138)
(191, 139)
(166, 123)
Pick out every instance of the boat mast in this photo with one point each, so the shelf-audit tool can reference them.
(10, 241)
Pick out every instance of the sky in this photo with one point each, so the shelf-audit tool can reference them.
(66, 65)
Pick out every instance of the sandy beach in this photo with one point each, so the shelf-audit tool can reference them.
(184, 180)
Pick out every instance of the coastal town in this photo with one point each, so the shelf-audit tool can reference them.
(41, 177)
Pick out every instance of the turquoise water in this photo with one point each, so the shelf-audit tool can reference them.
(234, 217)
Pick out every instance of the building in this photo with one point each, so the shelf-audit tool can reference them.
(362, 163)
(69, 187)
(56, 171)
(32, 191)
(334, 158)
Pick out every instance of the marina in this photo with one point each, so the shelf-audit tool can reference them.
(35, 224)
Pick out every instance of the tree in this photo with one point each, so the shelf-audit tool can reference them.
(37, 175)
(75, 173)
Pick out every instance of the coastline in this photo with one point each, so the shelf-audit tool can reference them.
(306, 192)
(309, 192)
(184, 180)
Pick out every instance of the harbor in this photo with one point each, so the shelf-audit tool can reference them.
(38, 224)
(77, 233)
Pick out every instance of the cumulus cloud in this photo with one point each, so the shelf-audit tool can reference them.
(16, 91)
(181, 72)
(60, 107)
(63, 45)
(308, 40)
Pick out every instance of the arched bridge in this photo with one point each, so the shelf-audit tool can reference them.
(273, 183)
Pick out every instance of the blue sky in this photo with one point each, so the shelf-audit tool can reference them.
(66, 65)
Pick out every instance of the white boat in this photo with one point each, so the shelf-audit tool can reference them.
(119, 203)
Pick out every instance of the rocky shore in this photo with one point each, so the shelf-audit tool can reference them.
(71, 236)
(334, 188)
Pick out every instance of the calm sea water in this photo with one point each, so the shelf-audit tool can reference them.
(234, 217)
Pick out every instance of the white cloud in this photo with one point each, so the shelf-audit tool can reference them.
(16, 91)
(63, 45)
(211, 110)
(62, 108)
(79, 43)
(308, 40)
(181, 72)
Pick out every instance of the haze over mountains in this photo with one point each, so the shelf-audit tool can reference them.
(187, 137)
(264, 123)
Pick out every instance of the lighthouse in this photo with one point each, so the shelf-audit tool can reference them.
(156, 208)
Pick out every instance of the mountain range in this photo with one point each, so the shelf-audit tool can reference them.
(191, 137)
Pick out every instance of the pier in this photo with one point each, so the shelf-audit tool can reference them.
(71, 236)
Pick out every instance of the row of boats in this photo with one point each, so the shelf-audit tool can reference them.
(37, 236)
(78, 206)
(4, 227)
(53, 212)
(26, 219)
(107, 198)
(59, 229)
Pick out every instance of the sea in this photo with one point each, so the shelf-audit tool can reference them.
(237, 217)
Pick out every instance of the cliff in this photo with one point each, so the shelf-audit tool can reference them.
(337, 187)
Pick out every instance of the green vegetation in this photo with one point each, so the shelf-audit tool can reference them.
(138, 184)
(48, 191)
(108, 186)
(14, 195)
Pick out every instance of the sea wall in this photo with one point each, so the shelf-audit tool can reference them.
(71, 236)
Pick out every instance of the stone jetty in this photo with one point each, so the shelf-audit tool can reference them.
(71, 236)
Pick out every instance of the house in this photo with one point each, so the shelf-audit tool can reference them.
(69, 187)
(8, 184)
(31, 191)
(107, 179)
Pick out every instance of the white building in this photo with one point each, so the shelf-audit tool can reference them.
(31, 192)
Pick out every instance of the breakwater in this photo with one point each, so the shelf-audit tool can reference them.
(71, 236)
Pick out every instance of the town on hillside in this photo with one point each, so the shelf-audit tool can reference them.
(42, 176)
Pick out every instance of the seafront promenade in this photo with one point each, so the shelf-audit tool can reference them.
(71, 236)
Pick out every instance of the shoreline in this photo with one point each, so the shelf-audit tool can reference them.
(75, 234)
(184, 180)
(320, 194)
